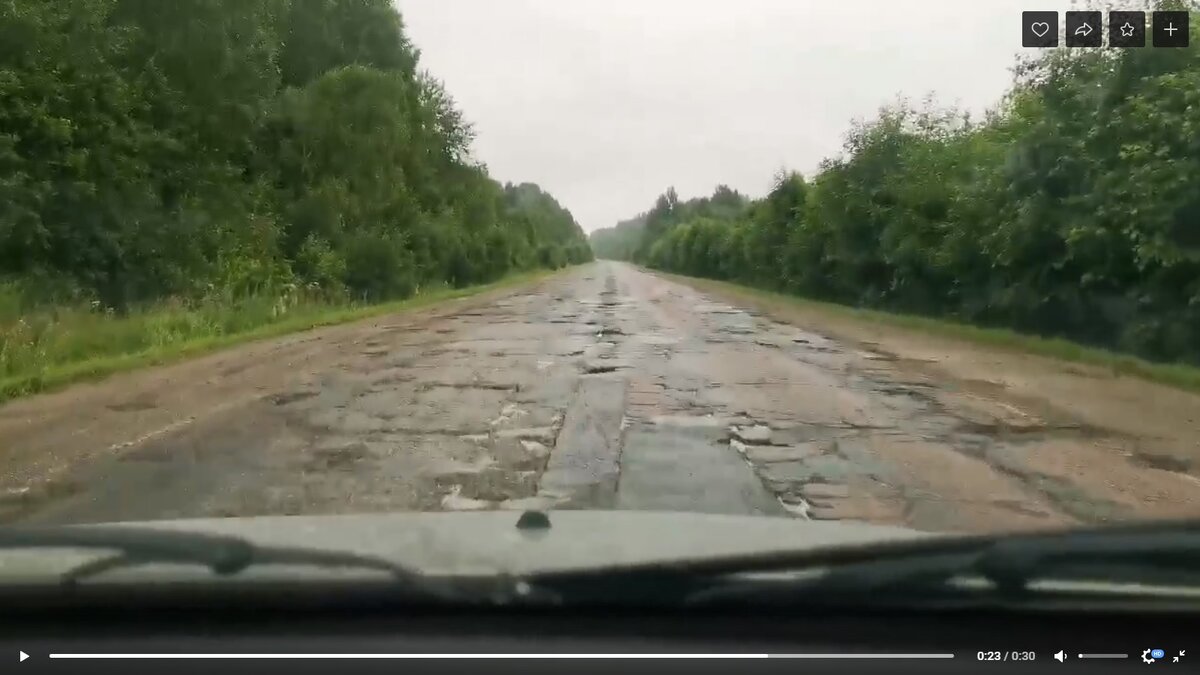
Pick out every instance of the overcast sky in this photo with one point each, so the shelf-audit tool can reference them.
(605, 103)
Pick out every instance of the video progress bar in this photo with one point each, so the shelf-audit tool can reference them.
(490, 656)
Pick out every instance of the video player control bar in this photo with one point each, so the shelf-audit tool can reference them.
(300, 656)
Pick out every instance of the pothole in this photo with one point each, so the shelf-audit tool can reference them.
(1161, 462)
(454, 501)
(31, 495)
(753, 434)
(599, 369)
(396, 378)
(795, 505)
(708, 421)
(913, 390)
(540, 434)
(487, 386)
(292, 397)
(336, 458)
(485, 488)
(1032, 429)
(1019, 507)
(875, 356)
(134, 405)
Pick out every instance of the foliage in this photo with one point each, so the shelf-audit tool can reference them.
(225, 150)
(64, 344)
(1071, 210)
(619, 242)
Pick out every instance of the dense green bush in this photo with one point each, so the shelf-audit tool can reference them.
(1071, 210)
(223, 149)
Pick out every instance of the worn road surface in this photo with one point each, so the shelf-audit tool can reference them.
(606, 387)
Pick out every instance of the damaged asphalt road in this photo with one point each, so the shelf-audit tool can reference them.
(602, 387)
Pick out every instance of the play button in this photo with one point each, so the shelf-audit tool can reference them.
(23, 656)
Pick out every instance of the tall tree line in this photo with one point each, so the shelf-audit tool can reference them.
(1072, 209)
(199, 148)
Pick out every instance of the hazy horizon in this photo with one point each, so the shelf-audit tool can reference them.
(606, 104)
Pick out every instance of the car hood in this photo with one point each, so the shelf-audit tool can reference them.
(488, 543)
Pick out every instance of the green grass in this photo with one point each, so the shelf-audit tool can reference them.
(1178, 375)
(59, 347)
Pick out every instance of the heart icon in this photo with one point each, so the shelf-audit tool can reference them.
(1040, 28)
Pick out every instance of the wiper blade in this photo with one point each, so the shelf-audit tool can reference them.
(1013, 565)
(223, 554)
(894, 570)
(1009, 566)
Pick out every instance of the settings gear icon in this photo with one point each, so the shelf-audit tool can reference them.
(1146, 658)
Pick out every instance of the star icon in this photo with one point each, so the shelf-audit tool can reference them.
(1127, 30)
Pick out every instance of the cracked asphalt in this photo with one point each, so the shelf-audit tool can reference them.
(601, 387)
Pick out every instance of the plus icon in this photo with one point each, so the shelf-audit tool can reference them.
(1170, 29)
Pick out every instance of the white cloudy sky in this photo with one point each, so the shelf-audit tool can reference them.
(605, 103)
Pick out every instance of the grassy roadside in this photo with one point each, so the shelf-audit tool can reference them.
(78, 347)
(1180, 376)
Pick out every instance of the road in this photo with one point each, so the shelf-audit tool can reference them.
(603, 387)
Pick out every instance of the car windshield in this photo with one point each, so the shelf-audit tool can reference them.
(712, 271)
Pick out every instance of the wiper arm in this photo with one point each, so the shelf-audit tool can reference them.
(223, 554)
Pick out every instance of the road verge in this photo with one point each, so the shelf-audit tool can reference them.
(80, 365)
(856, 324)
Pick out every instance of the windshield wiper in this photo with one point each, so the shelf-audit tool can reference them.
(1009, 566)
(899, 570)
(224, 555)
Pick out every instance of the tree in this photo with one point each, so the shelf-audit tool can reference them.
(214, 149)
(1070, 209)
